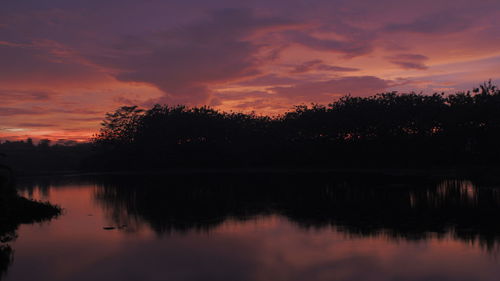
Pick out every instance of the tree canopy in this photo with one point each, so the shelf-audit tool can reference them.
(389, 129)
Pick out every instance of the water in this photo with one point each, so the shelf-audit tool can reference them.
(204, 227)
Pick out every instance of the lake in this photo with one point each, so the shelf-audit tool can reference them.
(260, 227)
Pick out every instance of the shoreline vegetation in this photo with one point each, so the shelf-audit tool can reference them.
(386, 132)
(490, 174)
(14, 211)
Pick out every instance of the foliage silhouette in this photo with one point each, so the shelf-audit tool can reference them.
(390, 130)
(16, 210)
(26, 157)
(6, 257)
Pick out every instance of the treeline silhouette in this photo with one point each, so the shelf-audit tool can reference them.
(388, 130)
(26, 156)
(385, 130)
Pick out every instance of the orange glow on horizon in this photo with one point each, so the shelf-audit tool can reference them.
(60, 78)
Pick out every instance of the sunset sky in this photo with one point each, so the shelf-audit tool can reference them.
(65, 63)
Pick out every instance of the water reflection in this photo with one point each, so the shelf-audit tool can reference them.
(6, 257)
(262, 227)
(400, 208)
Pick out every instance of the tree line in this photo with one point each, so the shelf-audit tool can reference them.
(384, 130)
(27, 156)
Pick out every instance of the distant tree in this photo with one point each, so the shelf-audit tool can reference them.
(120, 126)
(44, 143)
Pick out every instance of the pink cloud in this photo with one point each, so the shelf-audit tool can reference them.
(325, 91)
(319, 65)
(350, 47)
(17, 96)
(185, 62)
(409, 61)
(445, 21)
(269, 80)
(39, 66)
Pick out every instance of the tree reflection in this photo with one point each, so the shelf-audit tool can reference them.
(14, 211)
(6, 257)
(404, 208)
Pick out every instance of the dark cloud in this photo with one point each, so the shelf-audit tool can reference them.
(241, 95)
(326, 67)
(306, 66)
(319, 65)
(183, 62)
(269, 80)
(41, 63)
(35, 125)
(11, 96)
(440, 22)
(87, 119)
(10, 111)
(37, 110)
(409, 61)
(351, 47)
(78, 111)
(327, 90)
(127, 101)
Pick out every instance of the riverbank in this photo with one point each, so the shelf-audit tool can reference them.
(487, 172)
(16, 210)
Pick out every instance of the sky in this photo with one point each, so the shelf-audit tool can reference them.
(65, 63)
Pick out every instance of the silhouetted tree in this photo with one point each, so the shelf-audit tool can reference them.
(390, 129)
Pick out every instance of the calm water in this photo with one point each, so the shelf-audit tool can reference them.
(260, 228)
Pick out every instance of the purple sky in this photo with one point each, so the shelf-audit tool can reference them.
(64, 63)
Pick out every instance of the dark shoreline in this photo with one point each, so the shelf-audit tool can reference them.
(16, 210)
(488, 174)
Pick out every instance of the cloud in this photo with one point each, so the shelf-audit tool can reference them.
(17, 96)
(434, 23)
(185, 62)
(10, 111)
(35, 125)
(37, 110)
(260, 101)
(267, 105)
(319, 65)
(78, 111)
(350, 47)
(278, 99)
(241, 95)
(409, 61)
(269, 80)
(40, 64)
(68, 63)
(326, 90)
(87, 119)
(334, 68)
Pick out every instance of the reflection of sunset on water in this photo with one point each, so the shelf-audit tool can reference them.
(238, 247)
